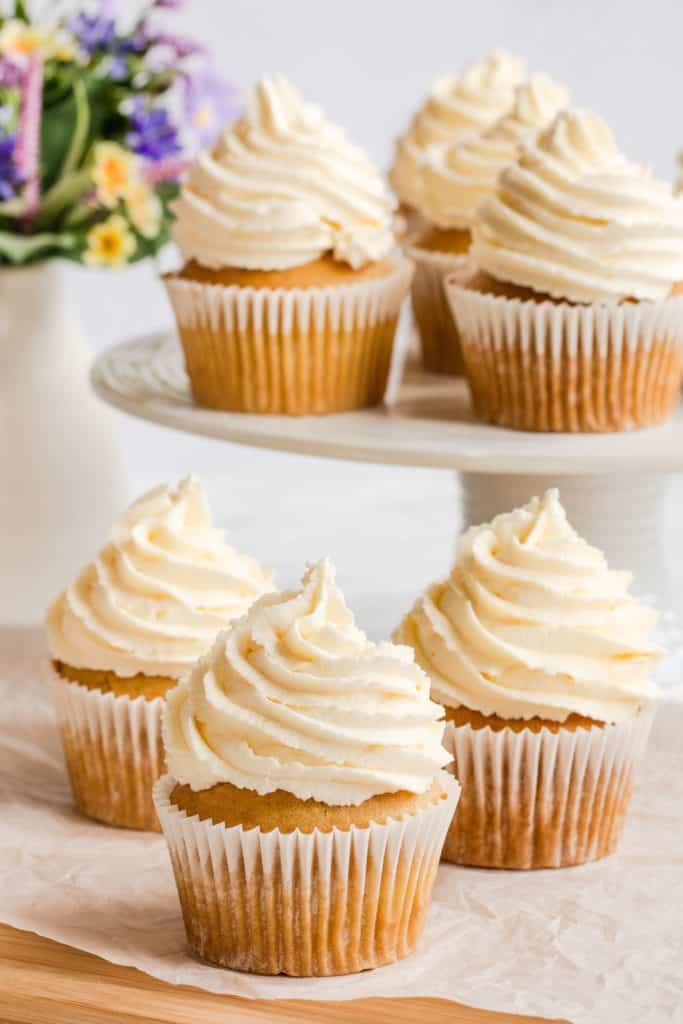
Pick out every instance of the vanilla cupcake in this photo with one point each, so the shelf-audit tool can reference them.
(289, 298)
(543, 662)
(305, 809)
(457, 177)
(457, 106)
(123, 633)
(574, 323)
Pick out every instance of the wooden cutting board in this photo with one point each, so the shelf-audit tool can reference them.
(42, 982)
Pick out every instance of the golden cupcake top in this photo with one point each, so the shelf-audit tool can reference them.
(459, 176)
(283, 186)
(574, 219)
(156, 595)
(531, 622)
(457, 106)
(295, 697)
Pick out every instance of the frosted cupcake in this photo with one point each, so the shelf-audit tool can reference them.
(123, 633)
(543, 662)
(457, 177)
(457, 106)
(289, 299)
(574, 323)
(305, 809)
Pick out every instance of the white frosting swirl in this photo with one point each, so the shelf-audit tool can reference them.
(295, 697)
(456, 107)
(157, 594)
(531, 622)
(281, 188)
(458, 176)
(575, 220)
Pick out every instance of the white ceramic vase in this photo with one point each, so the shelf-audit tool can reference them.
(62, 479)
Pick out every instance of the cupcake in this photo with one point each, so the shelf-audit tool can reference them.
(543, 662)
(123, 633)
(457, 106)
(573, 322)
(457, 176)
(304, 809)
(289, 298)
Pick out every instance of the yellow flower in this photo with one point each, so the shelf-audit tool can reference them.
(20, 40)
(144, 209)
(61, 45)
(115, 171)
(110, 244)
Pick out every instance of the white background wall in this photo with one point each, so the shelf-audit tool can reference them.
(368, 62)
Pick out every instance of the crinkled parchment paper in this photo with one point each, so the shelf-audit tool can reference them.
(595, 945)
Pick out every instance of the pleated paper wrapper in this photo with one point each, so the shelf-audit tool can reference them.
(542, 799)
(113, 749)
(293, 351)
(553, 366)
(439, 335)
(323, 903)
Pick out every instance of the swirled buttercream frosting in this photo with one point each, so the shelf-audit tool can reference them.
(574, 219)
(531, 623)
(295, 697)
(281, 188)
(156, 595)
(458, 176)
(457, 106)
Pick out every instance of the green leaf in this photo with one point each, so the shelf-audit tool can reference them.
(79, 139)
(21, 11)
(63, 194)
(19, 249)
(64, 119)
(12, 207)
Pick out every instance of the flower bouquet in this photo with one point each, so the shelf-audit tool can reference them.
(98, 117)
(96, 125)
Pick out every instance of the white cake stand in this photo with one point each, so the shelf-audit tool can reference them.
(616, 487)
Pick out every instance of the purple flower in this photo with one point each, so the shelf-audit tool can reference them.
(11, 73)
(170, 5)
(27, 156)
(10, 175)
(152, 133)
(179, 47)
(94, 31)
(117, 68)
(137, 43)
(166, 170)
(210, 103)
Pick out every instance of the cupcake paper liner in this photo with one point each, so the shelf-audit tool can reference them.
(114, 752)
(548, 366)
(542, 800)
(294, 351)
(317, 904)
(439, 335)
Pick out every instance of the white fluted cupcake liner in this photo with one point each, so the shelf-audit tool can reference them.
(542, 799)
(293, 351)
(316, 904)
(554, 366)
(113, 749)
(439, 336)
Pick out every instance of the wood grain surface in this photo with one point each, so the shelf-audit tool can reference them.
(43, 982)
